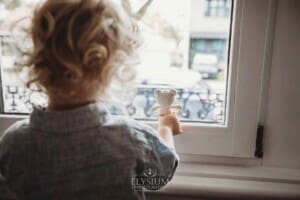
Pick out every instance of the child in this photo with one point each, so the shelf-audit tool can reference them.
(73, 148)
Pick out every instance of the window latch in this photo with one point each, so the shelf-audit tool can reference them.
(259, 141)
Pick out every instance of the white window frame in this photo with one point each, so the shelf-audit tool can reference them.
(250, 54)
(251, 47)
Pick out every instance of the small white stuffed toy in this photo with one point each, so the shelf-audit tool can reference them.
(164, 101)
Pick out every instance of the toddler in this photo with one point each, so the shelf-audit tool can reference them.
(73, 148)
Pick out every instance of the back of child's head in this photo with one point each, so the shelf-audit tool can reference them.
(79, 46)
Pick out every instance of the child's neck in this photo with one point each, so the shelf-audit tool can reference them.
(56, 105)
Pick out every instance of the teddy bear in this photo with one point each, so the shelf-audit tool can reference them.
(164, 101)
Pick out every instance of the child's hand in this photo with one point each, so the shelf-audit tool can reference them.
(171, 121)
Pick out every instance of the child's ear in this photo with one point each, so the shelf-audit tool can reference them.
(173, 92)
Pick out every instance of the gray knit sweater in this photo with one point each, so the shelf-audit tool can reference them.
(83, 153)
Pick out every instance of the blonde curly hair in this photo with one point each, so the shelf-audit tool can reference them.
(80, 46)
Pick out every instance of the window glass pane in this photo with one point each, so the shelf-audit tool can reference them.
(184, 49)
(214, 3)
(218, 8)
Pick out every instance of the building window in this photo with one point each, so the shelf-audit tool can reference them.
(217, 8)
(201, 48)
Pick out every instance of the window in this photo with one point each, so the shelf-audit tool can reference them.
(218, 8)
(201, 85)
(215, 64)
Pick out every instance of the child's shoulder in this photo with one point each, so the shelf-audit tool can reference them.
(19, 127)
(133, 125)
(137, 131)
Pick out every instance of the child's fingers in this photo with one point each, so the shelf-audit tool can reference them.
(177, 130)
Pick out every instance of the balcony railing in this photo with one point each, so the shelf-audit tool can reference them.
(196, 105)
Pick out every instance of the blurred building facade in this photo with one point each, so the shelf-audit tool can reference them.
(209, 29)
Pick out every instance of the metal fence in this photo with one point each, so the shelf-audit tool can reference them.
(196, 106)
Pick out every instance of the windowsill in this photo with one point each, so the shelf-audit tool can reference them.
(220, 180)
(234, 182)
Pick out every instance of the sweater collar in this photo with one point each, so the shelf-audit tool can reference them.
(81, 118)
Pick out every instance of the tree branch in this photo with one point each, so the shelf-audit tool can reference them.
(140, 13)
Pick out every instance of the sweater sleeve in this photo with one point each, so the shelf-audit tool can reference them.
(6, 141)
(159, 162)
(5, 192)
